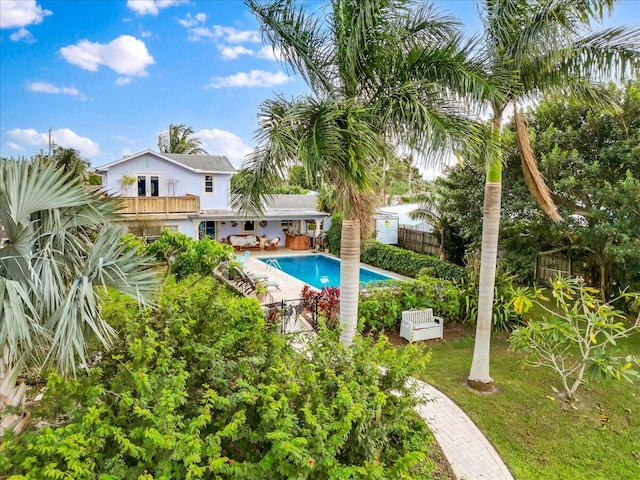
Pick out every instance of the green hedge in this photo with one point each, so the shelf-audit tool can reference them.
(381, 306)
(408, 262)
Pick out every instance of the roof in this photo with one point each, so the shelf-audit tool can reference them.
(280, 206)
(402, 211)
(195, 163)
(211, 163)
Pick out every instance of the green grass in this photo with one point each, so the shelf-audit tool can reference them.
(538, 435)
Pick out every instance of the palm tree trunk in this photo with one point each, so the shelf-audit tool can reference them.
(12, 396)
(479, 377)
(349, 280)
(443, 252)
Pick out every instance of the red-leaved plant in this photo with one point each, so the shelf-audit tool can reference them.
(327, 301)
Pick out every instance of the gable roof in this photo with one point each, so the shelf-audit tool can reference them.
(195, 163)
(209, 163)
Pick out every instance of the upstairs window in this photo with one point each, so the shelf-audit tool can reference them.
(209, 185)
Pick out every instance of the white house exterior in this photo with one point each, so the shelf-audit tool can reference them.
(191, 194)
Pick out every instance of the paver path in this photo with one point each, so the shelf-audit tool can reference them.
(469, 453)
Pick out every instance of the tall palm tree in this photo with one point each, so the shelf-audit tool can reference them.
(59, 254)
(179, 139)
(537, 46)
(380, 72)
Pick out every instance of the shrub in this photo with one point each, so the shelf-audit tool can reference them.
(381, 307)
(408, 262)
(326, 301)
(504, 315)
(333, 235)
(203, 388)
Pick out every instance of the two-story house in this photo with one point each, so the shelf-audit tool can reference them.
(191, 194)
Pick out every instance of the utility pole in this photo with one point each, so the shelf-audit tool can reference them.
(49, 142)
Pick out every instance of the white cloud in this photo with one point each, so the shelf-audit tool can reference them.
(146, 34)
(152, 7)
(191, 21)
(221, 142)
(269, 52)
(233, 35)
(19, 13)
(125, 55)
(255, 78)
(198, 31)
(46, 87)
(23, 35)
(63, 137)
(231, 53)
(121, 81)
(15, 146)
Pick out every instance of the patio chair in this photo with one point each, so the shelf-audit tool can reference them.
(272, 244)
(242, 259)
(253, 284)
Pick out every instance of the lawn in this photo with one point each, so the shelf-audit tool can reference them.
(538, 435)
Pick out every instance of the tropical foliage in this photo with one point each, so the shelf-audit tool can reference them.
(59, 258)
(576, 339)
(180, 139)
(370, 66)
(203, 388)
(184, 256)
(381, 306)
(534, 47)
(409, 263)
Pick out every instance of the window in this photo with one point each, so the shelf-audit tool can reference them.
(155, 186)
(210, 229)
(149, 185)
(249, 226)
(142, 186)
(209, 184)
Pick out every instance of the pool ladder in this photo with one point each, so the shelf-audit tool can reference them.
(272, 263)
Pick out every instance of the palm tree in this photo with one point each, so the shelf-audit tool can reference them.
(432, 210)
(380, 72)
(536, 47)
(178, 139)
(58, 256)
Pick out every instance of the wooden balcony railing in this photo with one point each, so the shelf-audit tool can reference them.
(144, 205)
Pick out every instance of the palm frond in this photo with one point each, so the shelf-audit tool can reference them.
(299, 38)
(532, 175)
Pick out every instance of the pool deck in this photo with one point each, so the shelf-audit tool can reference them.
(291, 287)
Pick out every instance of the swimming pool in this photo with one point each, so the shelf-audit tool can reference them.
(318, 270)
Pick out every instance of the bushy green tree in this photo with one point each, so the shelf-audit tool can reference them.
(203, 387)
(184, 256)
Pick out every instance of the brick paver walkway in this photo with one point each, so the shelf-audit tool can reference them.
(469, 453)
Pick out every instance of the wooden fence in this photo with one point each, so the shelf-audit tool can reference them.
(418, 241)
(549, 266)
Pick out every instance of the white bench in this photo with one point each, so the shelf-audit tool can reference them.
(421, 325)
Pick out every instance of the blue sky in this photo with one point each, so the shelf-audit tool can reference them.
(107, 76)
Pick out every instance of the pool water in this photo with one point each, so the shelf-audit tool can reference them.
(318, 270)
